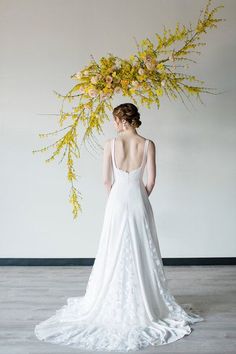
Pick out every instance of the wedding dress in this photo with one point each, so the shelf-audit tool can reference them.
(127, 304)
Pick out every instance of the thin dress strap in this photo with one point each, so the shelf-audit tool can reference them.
(112, 151)
(145, 152)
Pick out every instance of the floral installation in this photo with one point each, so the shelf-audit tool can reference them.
(148, 74)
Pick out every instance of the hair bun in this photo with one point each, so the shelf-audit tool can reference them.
(128, 112)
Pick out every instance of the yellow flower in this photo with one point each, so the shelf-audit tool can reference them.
(132, 57)
(160, 66)
(159, 91)
(144, 42)
(143, 55)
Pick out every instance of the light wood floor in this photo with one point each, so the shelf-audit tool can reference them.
(29, 295)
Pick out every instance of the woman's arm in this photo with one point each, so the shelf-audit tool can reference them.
(151, 167)
(107, 166)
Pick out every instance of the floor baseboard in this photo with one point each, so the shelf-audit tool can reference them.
(201, 261)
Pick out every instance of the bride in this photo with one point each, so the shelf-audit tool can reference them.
(127, 304)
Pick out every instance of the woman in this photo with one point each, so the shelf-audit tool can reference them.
(127, 304)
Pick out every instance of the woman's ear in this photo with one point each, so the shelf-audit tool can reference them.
(124, 123)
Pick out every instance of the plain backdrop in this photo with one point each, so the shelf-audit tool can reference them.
(42, 44)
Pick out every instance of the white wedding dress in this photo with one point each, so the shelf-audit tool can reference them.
(127, 304)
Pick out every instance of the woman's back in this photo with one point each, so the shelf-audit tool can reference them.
(129, 152)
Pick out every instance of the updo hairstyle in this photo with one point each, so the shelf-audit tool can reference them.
(129, 113)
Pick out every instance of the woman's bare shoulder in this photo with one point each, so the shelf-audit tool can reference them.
(151, 142)
(107, 143)
(145, 138)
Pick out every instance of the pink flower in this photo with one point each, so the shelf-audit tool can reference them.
(81, 90)
(103, 96)
(92, 92)
(94, 80)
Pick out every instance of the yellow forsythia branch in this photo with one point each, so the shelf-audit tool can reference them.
(147, 75)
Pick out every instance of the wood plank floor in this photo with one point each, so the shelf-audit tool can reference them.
(29, 295)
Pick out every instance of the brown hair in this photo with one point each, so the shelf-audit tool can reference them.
(129, 112)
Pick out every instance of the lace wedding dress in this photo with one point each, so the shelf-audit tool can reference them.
(127, 304)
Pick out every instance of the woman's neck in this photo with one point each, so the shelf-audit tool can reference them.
(127, 132)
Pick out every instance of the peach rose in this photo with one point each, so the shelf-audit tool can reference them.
(94, 80)
(150, 65)
(109, 79)
(135, 83)
(92, 92)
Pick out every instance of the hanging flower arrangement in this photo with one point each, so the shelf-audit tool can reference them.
(153, 71)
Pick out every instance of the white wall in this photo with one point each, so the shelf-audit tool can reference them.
(42, 44)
